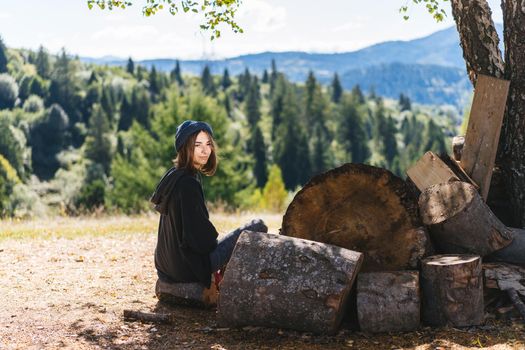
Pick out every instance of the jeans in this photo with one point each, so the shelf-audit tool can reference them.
(223, 252)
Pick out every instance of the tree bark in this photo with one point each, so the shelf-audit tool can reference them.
(362, 208)
(452, 289)
(479, 42)
(458, 217)
(192, 294)
(388, 301)
(514, 253)
(478, 38)
(132, 315)
(511, 154)
(278, 281)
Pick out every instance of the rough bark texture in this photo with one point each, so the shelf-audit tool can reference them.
(480, 49)
(478, 38)
(514, 253)
(362, 208)
(388, 301)
(452, 289)
(132, 315)
(278, 281)
(457, 216)
(511, 157)
(193, 294)
(504, 277)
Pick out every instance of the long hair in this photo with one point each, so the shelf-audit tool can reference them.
(184, 159)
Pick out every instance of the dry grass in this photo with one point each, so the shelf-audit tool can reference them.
(71, 227)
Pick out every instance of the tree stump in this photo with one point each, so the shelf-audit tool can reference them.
(278, 281)
(191, 294)
(514, 253)
(388, 301)
(458, 217)
(362, 208)
(452, 289)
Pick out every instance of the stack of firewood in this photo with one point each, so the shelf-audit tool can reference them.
(416, 249)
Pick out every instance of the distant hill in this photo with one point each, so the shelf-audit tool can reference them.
(429, 70)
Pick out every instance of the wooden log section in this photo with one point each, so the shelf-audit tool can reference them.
(457, 216)
(388, 301)
(132, 315)
(278, 281)
(508, 278)
(514, 253)
(457, 147)
(191, 294)
(430, 170)
(452, 290)
(362, 208)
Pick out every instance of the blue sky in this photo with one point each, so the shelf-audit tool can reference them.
(270, 25)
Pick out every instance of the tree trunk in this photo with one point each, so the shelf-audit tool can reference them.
(193, 294)
(511, 154)
(278, 281)
(478, 38)
(479, 41)
(388, 301)
(452, 289)
(457, 216)
(362, 208)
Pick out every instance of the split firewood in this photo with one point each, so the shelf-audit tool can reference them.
(452, 290)
(131, 315)
(388, 301)
(363, 208)
(285, 282)
(504, 276)
(460, 221)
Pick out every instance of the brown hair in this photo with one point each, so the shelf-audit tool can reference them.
(184, 159)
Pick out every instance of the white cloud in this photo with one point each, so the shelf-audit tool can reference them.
(125, 32)
(259, 16)
(5, 15)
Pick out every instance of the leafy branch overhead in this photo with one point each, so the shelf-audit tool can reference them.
(434, 8)
(215, 11)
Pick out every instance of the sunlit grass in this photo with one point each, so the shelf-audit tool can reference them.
(71, 227)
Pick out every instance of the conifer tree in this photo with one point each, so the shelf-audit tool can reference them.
(337, 89)
(265, 78)
(259, 152)
(154, 82)
(252, 106)
(357, 94)
(98, 142)
(208, 86)
(130, 66)
(126, 114)
(273, 77)
(226, 81)
(176, 74)
(3, 56)
(404, 103)
(351, 132)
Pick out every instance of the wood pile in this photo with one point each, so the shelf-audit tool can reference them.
(414, 247)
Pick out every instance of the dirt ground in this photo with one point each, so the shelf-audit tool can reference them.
(71, 293)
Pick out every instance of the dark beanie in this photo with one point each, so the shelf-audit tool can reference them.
(188, 128)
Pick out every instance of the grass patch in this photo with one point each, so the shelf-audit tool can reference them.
(71, 227)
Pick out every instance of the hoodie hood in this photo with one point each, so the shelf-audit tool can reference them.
(160, 197)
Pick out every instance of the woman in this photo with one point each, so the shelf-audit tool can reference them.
(187, 247)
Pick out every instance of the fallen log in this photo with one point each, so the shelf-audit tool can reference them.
(514, 253)
(458, 217)
(388, 301)
(190, 294)
(452, 290)
(131, 315)
(363, 208)
(278, 281)
(508, 278)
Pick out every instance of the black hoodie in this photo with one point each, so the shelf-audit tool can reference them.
(186, 236)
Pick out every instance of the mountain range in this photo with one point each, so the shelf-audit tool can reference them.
(430, 70)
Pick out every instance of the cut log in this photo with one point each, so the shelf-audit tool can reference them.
(191, 294)
(131, 315)
(514, 253)
(452, 289)
(430, 170)
(504, 277)
(508, 278)
(458, 216)
(388, 301)
(483, 130)
(278, 281)
(362, 208)
(457, 147)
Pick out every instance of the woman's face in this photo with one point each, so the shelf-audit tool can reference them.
(202, 150)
